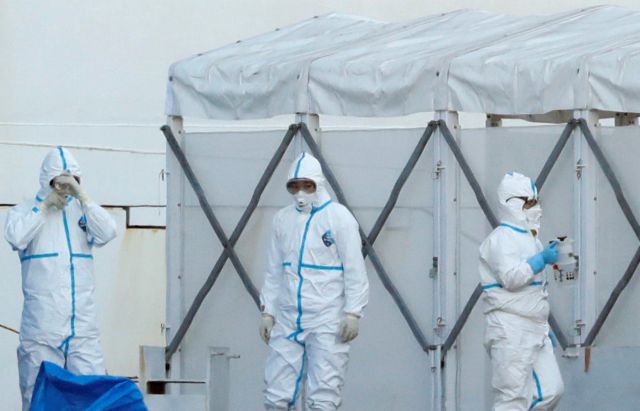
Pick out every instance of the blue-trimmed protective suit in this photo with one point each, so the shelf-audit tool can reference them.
(525, 371)
(315, 275)
(55, 250)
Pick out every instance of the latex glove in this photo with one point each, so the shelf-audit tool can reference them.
(54, 200)
(266, 325)
(67, 185)
(547, 256)
(349, 327)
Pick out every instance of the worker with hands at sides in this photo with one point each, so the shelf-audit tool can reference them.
(54, 235)
(314, 294)
(512, 263)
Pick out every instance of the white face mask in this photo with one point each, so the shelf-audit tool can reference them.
(303, 199)
(534, 217)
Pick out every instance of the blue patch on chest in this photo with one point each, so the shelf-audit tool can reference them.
(82, 223)
(327, 239)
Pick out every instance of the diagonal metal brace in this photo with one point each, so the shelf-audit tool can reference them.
(228, 251)
(397, 187)
(633, 222)
(611, 177)
(477, 292)
(555, 154)
(542, 178)
(373, 256)
(613, 298)
(471, 178)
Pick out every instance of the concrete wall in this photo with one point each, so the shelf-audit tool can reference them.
(129, 295)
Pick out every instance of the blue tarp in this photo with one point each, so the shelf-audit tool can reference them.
(58, 389)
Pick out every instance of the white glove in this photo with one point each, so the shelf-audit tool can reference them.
(349, 327)
(54, 200)
(266, 325)
(68, 185)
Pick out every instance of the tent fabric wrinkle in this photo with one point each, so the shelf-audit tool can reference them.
(465, 60)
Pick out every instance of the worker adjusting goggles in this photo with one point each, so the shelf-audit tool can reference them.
(528, 202)
(294, 186)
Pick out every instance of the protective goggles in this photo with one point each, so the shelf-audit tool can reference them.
(294, 186)
(528, 202)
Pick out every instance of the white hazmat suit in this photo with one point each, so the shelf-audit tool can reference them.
(54, 246)
(525, 371)
(315, 278)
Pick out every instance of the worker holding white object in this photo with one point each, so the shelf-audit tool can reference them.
(512, 273)
(54, 235)
(314, 294)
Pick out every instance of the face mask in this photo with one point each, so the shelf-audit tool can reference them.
(303, 199)
(534, 217)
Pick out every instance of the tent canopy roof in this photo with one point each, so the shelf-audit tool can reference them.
(465, 60)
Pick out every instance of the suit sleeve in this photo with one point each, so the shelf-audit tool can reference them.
(101, 228)
(273, 273)
(24, 222)
(502, 257)
(356, 283)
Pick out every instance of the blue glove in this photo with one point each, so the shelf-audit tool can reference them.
(547, 256)
(550, 253)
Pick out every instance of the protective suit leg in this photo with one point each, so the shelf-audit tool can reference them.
(85, 356)
(547, 379)
(284, 370)
(514, 346)
(512, 375)
(30, 356)
(328, 359)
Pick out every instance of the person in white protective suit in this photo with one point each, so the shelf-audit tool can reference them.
(315, 290)
(54, 234)
(512, 264)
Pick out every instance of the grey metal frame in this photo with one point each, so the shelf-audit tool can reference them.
(633, 222)
(542, 177)
(228, 244)
(368, 240)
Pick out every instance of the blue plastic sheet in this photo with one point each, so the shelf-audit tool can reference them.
(58, 389)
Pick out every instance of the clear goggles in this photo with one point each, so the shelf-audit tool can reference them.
(294, 186)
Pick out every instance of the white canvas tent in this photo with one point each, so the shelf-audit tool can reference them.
(467, 60)
(575, 66)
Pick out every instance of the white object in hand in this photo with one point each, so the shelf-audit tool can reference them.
(565, 252)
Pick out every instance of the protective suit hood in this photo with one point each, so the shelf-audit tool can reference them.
(308, 167)
(515, 185)
(59, 160)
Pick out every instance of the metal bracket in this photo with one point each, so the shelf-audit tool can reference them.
(433, 272)
(579, 167)
(626, 119)
(571, 352)
(579, 327)
(437, 172)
